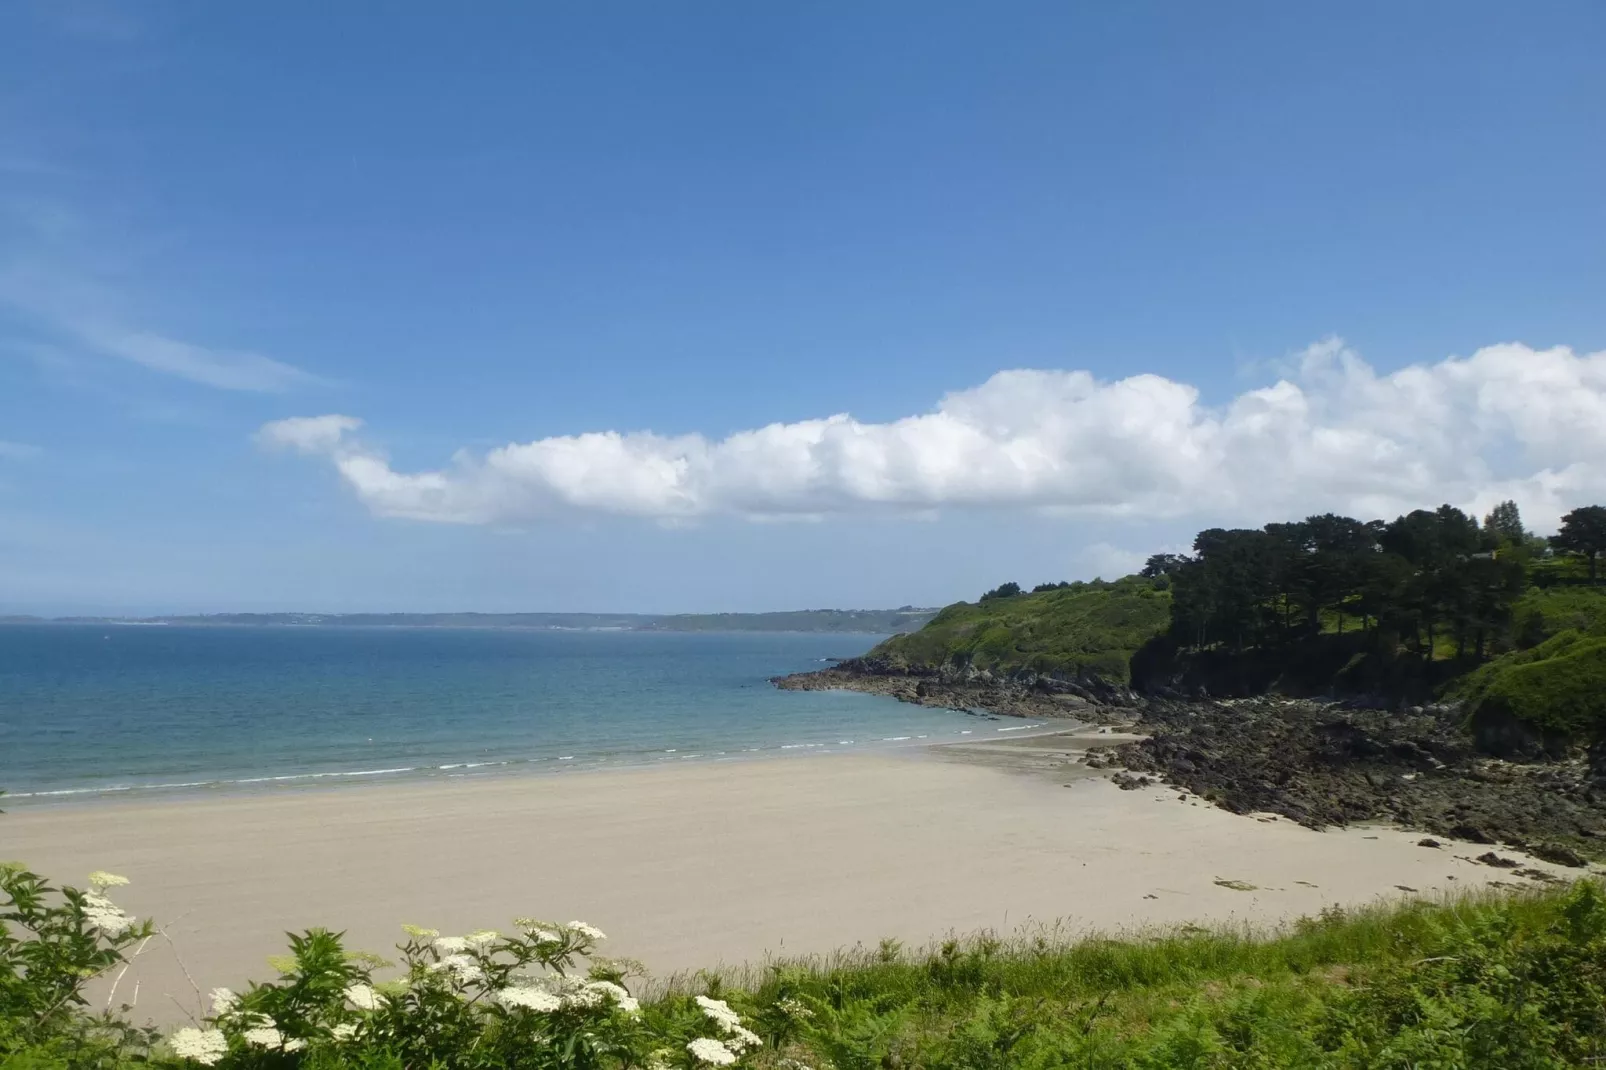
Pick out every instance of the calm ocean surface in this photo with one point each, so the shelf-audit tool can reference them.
(115, 711)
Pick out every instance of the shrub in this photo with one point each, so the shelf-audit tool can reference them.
(53, 943)
(1558, 688)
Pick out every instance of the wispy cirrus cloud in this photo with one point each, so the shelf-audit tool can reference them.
(1508, 421)
(52, 281)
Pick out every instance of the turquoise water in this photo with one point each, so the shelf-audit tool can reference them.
(97, 710)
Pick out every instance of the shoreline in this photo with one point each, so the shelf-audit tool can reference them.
(705, 865)
(347, 780)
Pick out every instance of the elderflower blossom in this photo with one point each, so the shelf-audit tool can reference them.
(223, 1002)
(481, 939)
(450, 945)
(583, 996)
(720, 1013)
(590, 932)
(100, 880)
(463, 967)
(418, 932)
(530, 998)
(344, 1031)
(793, 1007)
(268, 1036)
(204, 1046)
(363, 997)
(740, 1039)
(617, 993)
(711, 1052)
(103, 914)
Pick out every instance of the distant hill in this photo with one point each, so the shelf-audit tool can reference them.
(872, 621)
(1079, 629)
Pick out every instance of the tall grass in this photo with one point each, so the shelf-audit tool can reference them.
(1513, 979)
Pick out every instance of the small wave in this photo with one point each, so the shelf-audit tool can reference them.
(894, 739)
(113, 789)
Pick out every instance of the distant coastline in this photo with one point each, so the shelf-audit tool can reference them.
(858, 621)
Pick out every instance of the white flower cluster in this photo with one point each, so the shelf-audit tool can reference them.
(529, 997)
(719, 1012)
(615, 993)
(451, 945)
(738, 1038)
(793, 1007)
(363, 997)
(344, 1031)
(590, 932)
(711, 1052)
(463, 967)
(539, 931)
(223, 1002)
(481, 939)
(268, 1036)
(204, 1046)
(102, 913)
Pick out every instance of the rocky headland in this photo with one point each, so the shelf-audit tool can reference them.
(1318, 762)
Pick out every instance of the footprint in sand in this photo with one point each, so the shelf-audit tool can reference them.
(1237, 886)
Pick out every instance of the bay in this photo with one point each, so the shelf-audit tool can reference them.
(96, 710)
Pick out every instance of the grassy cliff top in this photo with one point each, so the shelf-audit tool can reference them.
(1558, 686)
(1084, 628)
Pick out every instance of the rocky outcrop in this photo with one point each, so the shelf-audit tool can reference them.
(964, 687)
(1325, 763)
(1320, 763)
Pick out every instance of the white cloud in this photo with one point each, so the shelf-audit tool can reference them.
(224, 369)
(50, 274)
(1509, 421)
(307, 434)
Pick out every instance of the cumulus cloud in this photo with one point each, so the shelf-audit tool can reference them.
(307, 434)
(1507, 422)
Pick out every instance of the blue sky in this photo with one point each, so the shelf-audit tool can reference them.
(655, 227)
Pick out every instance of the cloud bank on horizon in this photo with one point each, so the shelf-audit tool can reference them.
(1331, 434)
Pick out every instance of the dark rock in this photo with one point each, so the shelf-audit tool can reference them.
(1489, 858)
(1429, 842)
(1561, 856)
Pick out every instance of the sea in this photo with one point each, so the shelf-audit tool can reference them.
(104, 711)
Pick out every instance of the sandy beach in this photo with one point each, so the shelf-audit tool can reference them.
(707, 864)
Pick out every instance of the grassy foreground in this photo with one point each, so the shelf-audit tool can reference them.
(1514, 980)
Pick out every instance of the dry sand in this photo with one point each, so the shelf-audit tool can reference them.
(699, 865)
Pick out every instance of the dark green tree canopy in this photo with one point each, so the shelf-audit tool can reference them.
(1003, 590)
(1583, 532)
(1504, 522)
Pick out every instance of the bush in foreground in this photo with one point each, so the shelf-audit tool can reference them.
(1517, 980)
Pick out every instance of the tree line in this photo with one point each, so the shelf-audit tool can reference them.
(1422, 578)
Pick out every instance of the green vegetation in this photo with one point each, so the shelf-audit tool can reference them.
(1430, 603)
(1583, 532)
(1080, 628)
(1479, 981)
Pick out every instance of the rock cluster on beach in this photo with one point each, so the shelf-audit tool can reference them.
(1318, 763)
